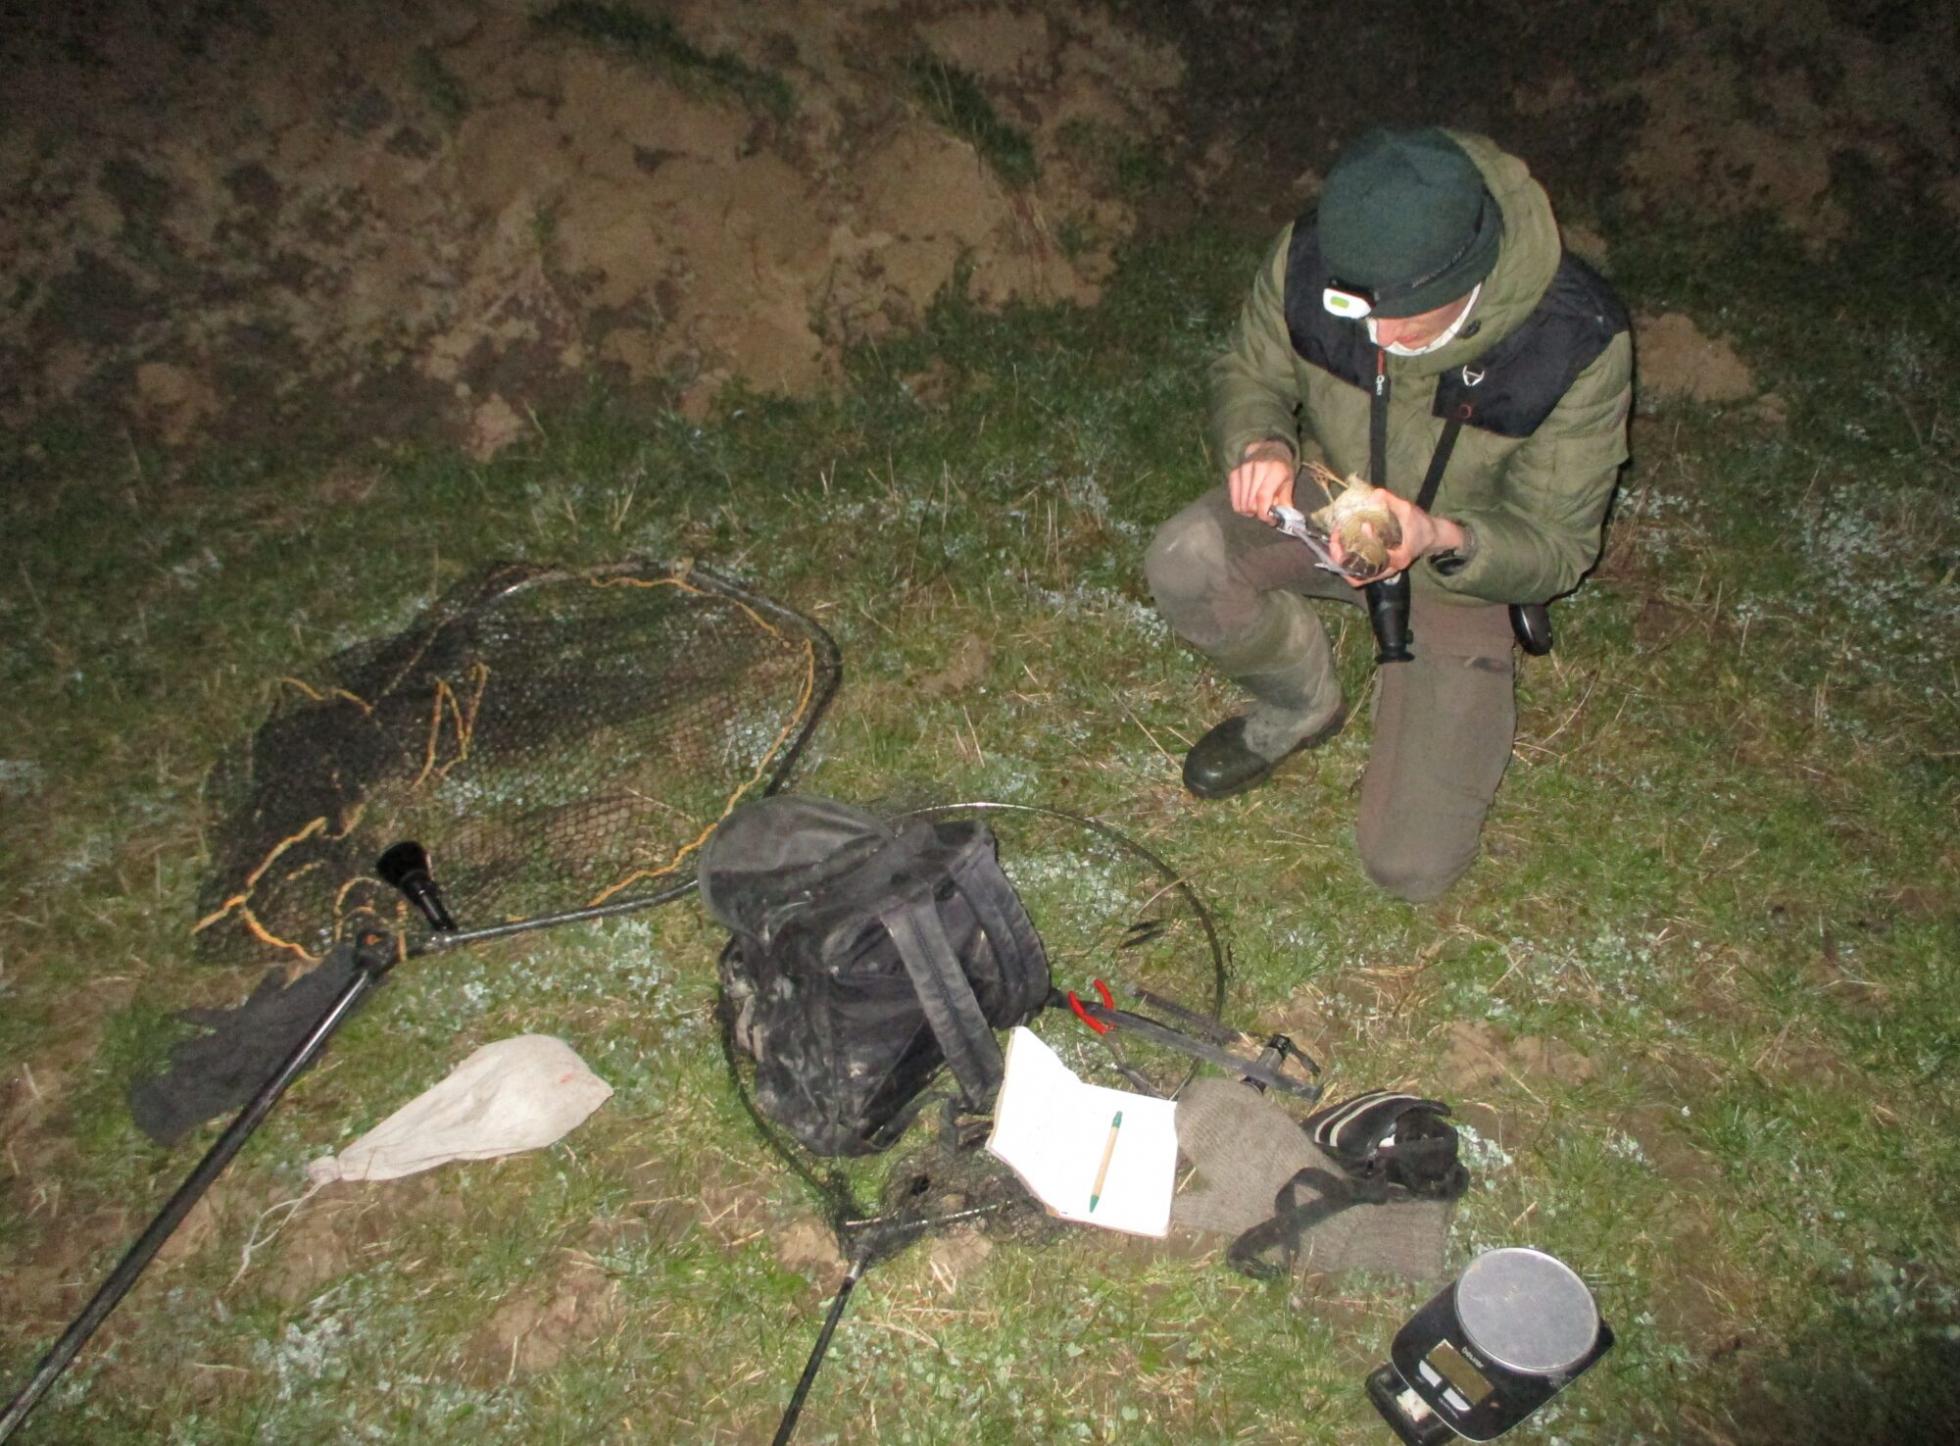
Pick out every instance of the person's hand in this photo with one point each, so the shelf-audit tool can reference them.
(1262, 480)
(1422, 534)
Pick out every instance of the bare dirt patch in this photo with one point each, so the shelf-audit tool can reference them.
(956, 1253)
(1707, 1306)
(1756, 107)
(966, 667)
(445, 217)
(807, 1247)
(573, 1306)
(54, 1279)
(29, 1098)
(1476, 1056)
(53, 1233)
(1677, 360)
(342, 1228)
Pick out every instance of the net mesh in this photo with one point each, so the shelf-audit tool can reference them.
(560, 741)
(947, 1183)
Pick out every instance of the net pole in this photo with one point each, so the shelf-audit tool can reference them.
(443, 943)
(371, 964)
(820, 1349)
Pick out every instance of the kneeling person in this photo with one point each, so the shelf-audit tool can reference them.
(1425, 330)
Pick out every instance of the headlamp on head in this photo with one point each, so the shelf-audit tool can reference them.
(1407, 223)
(1346, 302)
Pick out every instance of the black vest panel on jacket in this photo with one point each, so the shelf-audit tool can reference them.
(1517, 382)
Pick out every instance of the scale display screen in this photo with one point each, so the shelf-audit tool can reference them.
(1454, 1367)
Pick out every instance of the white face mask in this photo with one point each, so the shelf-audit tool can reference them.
(1449, 332)
(518, 1094)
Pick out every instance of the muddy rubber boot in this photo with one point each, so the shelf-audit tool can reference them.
(1288, 669)
(1222, 763)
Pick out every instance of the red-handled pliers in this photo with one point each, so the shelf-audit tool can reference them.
(1109, 1002)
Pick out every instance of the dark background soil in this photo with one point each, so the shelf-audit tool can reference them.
(248, 220)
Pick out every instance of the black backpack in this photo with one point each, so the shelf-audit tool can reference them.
(865, 955)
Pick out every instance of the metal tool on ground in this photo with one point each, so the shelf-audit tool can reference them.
(1514, 1329)
(1275, 1062)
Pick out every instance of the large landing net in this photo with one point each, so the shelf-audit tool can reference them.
(560, 741)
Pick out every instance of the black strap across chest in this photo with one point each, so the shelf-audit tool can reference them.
(1439, 460)
(1509, 390)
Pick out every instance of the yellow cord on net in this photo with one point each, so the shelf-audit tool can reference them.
(318, 697)
(465, 724)
(240, 903)
(463, 718)
(685, 586)
(761, 769)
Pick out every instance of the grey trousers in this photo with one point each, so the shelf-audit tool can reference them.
(1443, 724)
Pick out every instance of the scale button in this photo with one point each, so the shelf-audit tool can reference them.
(1429, 1373)
(1455, 1402)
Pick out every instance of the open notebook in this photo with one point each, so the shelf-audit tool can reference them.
(1056, 1131)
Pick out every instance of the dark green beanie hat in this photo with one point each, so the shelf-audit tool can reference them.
(1405, 218)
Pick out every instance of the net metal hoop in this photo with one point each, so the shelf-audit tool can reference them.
(828, 676)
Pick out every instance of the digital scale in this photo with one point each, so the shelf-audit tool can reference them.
(1493, 1346)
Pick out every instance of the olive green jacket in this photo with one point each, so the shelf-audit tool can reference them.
(1536, 505)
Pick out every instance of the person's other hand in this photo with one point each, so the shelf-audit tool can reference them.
(1262, 480)
(1422, 534)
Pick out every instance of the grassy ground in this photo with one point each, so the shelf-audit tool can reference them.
(1696, 1004)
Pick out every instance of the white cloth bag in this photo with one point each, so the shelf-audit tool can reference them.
(517, 1094)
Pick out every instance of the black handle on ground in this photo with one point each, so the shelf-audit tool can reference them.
(374, 956)
(406, 867)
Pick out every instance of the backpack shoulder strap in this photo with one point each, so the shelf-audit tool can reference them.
(1017, 950)
(965, 1037)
